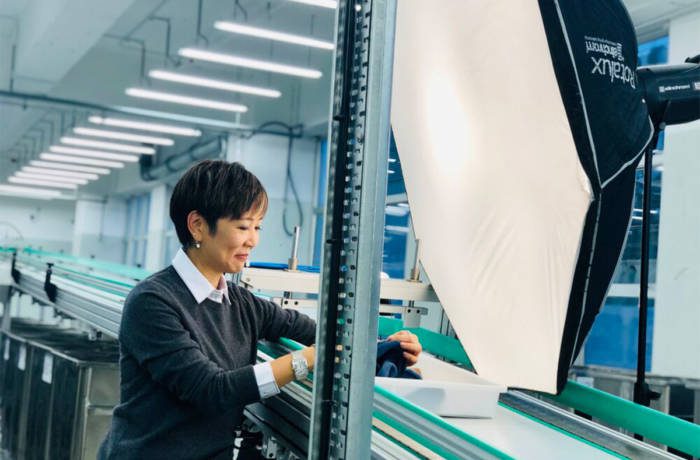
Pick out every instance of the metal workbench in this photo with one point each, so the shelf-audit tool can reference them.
(525, 425)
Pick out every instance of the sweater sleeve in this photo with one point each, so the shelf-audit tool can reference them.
(152, 332)
(276, 322)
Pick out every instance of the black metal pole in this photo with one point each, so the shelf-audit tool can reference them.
(642, 394)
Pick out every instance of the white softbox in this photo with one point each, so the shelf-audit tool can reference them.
(518, 126)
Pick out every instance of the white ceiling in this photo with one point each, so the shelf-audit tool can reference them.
(74, 50)
(70, 49)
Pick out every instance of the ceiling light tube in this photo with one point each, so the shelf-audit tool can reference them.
(80, 161)
(59, 173)
(145, 126)
(20, 180)
(47, 178)
(118, 135)
(108, 145)
(333, 4)
(185, 100)
(94, 154)
(239, 61)
(68, 167)
(211, 83)
(243, 29)
(28, 192)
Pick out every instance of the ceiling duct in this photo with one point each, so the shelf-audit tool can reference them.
(211, 148)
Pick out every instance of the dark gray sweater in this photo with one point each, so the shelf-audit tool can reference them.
(186, 369)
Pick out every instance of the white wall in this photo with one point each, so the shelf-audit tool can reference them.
(8, 32)
(676, 344)
(266, 157)
(41, 224)
(99, 230)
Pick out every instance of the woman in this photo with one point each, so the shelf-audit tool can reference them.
(188, 338)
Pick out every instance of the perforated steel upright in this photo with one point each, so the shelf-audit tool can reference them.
(346, 342)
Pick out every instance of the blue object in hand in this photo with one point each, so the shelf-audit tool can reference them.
(391, 362)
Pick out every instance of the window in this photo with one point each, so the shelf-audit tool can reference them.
(137, 229)
(397, 218)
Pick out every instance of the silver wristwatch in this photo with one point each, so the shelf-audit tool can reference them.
(299, 365)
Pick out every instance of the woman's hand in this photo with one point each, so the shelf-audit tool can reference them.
(410, 345)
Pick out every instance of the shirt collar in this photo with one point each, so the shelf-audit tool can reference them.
(196, 282)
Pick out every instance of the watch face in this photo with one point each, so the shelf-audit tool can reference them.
(299, 366)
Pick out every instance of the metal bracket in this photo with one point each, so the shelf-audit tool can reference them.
(50, 288)
(16, 275)
(290, 302)
(94, 334)
(412, 315)
(270, 448)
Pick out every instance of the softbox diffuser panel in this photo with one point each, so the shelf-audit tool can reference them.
(503, 181)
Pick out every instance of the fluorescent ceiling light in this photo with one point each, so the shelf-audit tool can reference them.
(28, 192)
(210, 83)
(123, 136)
(186, 100)
(42, 183)
(94, 154)
(80, 161)
(59, 173)
(47, 178)
(108, 145)
(181, 118)
(145, 126)
(240, 61)
(322, 3)
(272, 35)
(67, 167)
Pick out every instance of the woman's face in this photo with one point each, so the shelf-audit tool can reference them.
(227, 250)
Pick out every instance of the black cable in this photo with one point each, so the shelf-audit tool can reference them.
(236, 7)
(290, 184)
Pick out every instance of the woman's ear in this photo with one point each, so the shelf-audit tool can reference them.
(197, 225)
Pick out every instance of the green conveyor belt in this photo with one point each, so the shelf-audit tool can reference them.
(657, 426)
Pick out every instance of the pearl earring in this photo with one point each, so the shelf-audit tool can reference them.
(197, 244)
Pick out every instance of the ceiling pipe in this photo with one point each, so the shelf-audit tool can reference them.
(37, 100)
(211, 148)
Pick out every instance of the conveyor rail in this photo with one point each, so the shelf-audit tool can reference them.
(524, 427)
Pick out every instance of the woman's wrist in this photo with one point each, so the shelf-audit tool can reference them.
(310, 355)
(283, 370)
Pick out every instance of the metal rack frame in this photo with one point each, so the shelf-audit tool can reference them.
(347, 321)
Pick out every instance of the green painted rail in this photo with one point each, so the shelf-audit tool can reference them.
(126, 271)
(657, 426)
(437, 344)
(652, 424)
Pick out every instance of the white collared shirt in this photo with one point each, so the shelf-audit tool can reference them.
(201, 289)
(197, 284)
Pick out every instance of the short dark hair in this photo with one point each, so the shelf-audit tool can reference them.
(215, 189)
